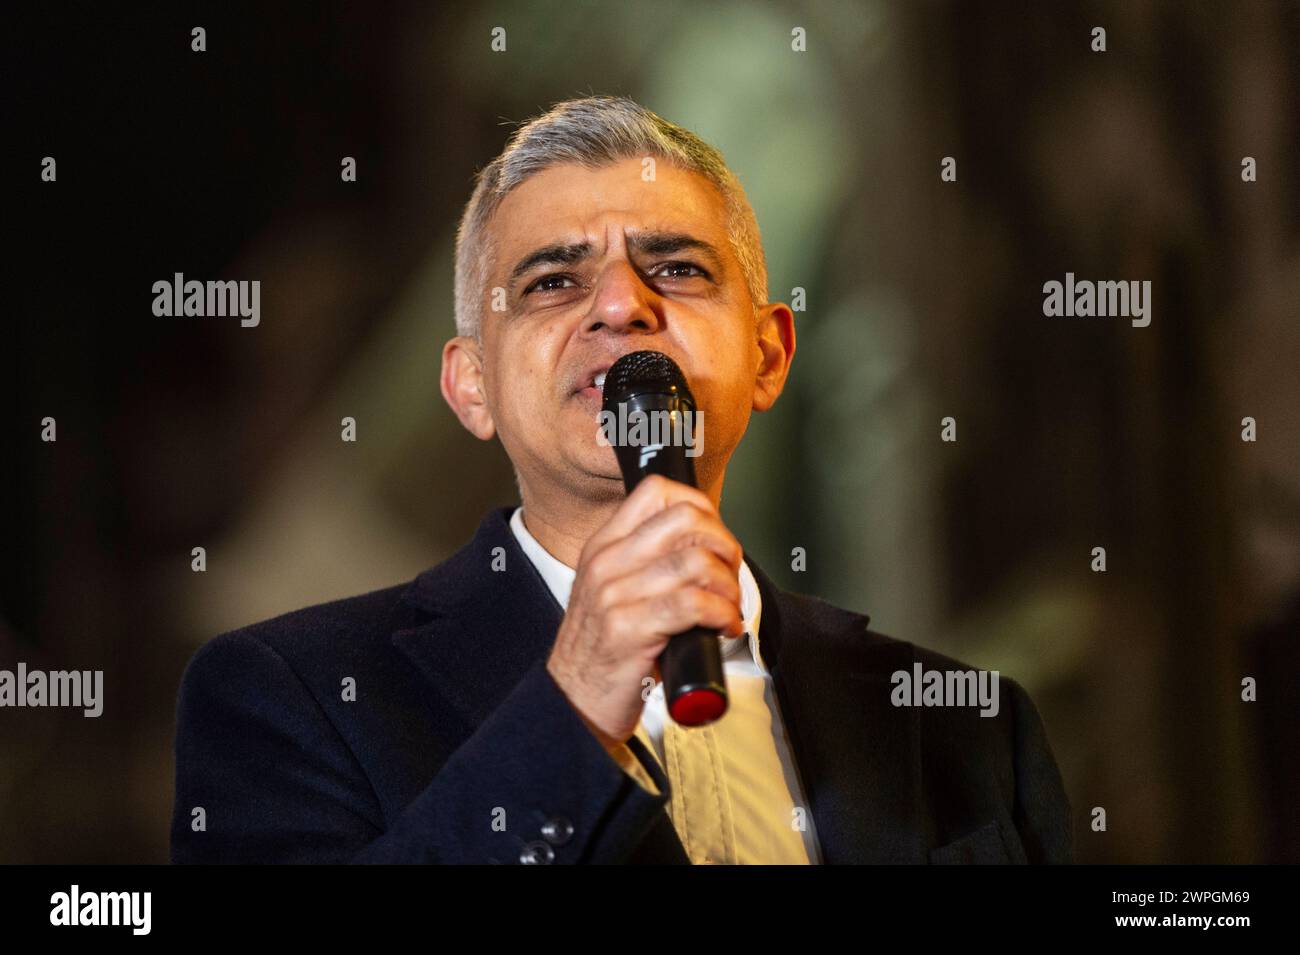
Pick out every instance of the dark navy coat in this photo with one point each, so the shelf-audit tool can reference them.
(460, 748)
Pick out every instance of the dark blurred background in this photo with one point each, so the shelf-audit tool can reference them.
(924, 300)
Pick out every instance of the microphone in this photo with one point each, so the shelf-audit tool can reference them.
(650, 383)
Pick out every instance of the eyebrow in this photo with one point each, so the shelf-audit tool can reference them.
(646, 243)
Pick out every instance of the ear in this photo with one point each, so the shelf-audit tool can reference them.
(775, 332)
(462, 386)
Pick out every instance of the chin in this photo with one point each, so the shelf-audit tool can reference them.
(599, 489)
(600, 468)
(589, 464)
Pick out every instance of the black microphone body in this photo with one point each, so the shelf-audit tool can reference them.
(650, 383)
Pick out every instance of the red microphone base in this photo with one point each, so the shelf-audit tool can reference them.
(697, 707)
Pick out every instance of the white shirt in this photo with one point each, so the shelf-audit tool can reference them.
(735, 790)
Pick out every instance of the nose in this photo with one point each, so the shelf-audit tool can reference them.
(623, 303)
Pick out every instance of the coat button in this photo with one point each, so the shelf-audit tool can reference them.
(537, 853)
(557, 830)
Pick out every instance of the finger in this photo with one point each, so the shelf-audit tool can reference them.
(693, 566)
(655, 493)
(682, 526)
(646, 625)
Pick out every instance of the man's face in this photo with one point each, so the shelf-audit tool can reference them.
(596, 263)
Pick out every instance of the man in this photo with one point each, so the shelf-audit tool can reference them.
(505, 706)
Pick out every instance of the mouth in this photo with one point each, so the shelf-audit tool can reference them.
(592, 388)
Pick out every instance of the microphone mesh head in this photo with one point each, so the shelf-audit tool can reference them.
(644, 372)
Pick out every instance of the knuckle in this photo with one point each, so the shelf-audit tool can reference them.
(616, 623)
(699, 600)
(683, 512)
(609, 623)
(667, 605)
(598, 566)
(680, 563)
(710, 571)
(603, 598)
(695, 562)
(656, 485)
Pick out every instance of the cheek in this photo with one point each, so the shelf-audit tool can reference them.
(731, 374)
(517, 405)
(522, 396)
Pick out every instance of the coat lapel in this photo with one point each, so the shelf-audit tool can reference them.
(856, 752)
(487, 626)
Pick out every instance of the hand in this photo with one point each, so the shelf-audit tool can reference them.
(663, 563)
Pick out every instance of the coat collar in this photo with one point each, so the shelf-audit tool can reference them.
(856, 754)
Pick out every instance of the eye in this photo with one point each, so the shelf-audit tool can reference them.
(538, 285)
(669, 266)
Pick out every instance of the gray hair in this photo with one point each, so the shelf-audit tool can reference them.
(593, 132)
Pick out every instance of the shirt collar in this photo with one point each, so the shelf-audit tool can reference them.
(559, 578)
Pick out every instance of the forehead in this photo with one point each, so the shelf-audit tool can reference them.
(569, 202)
